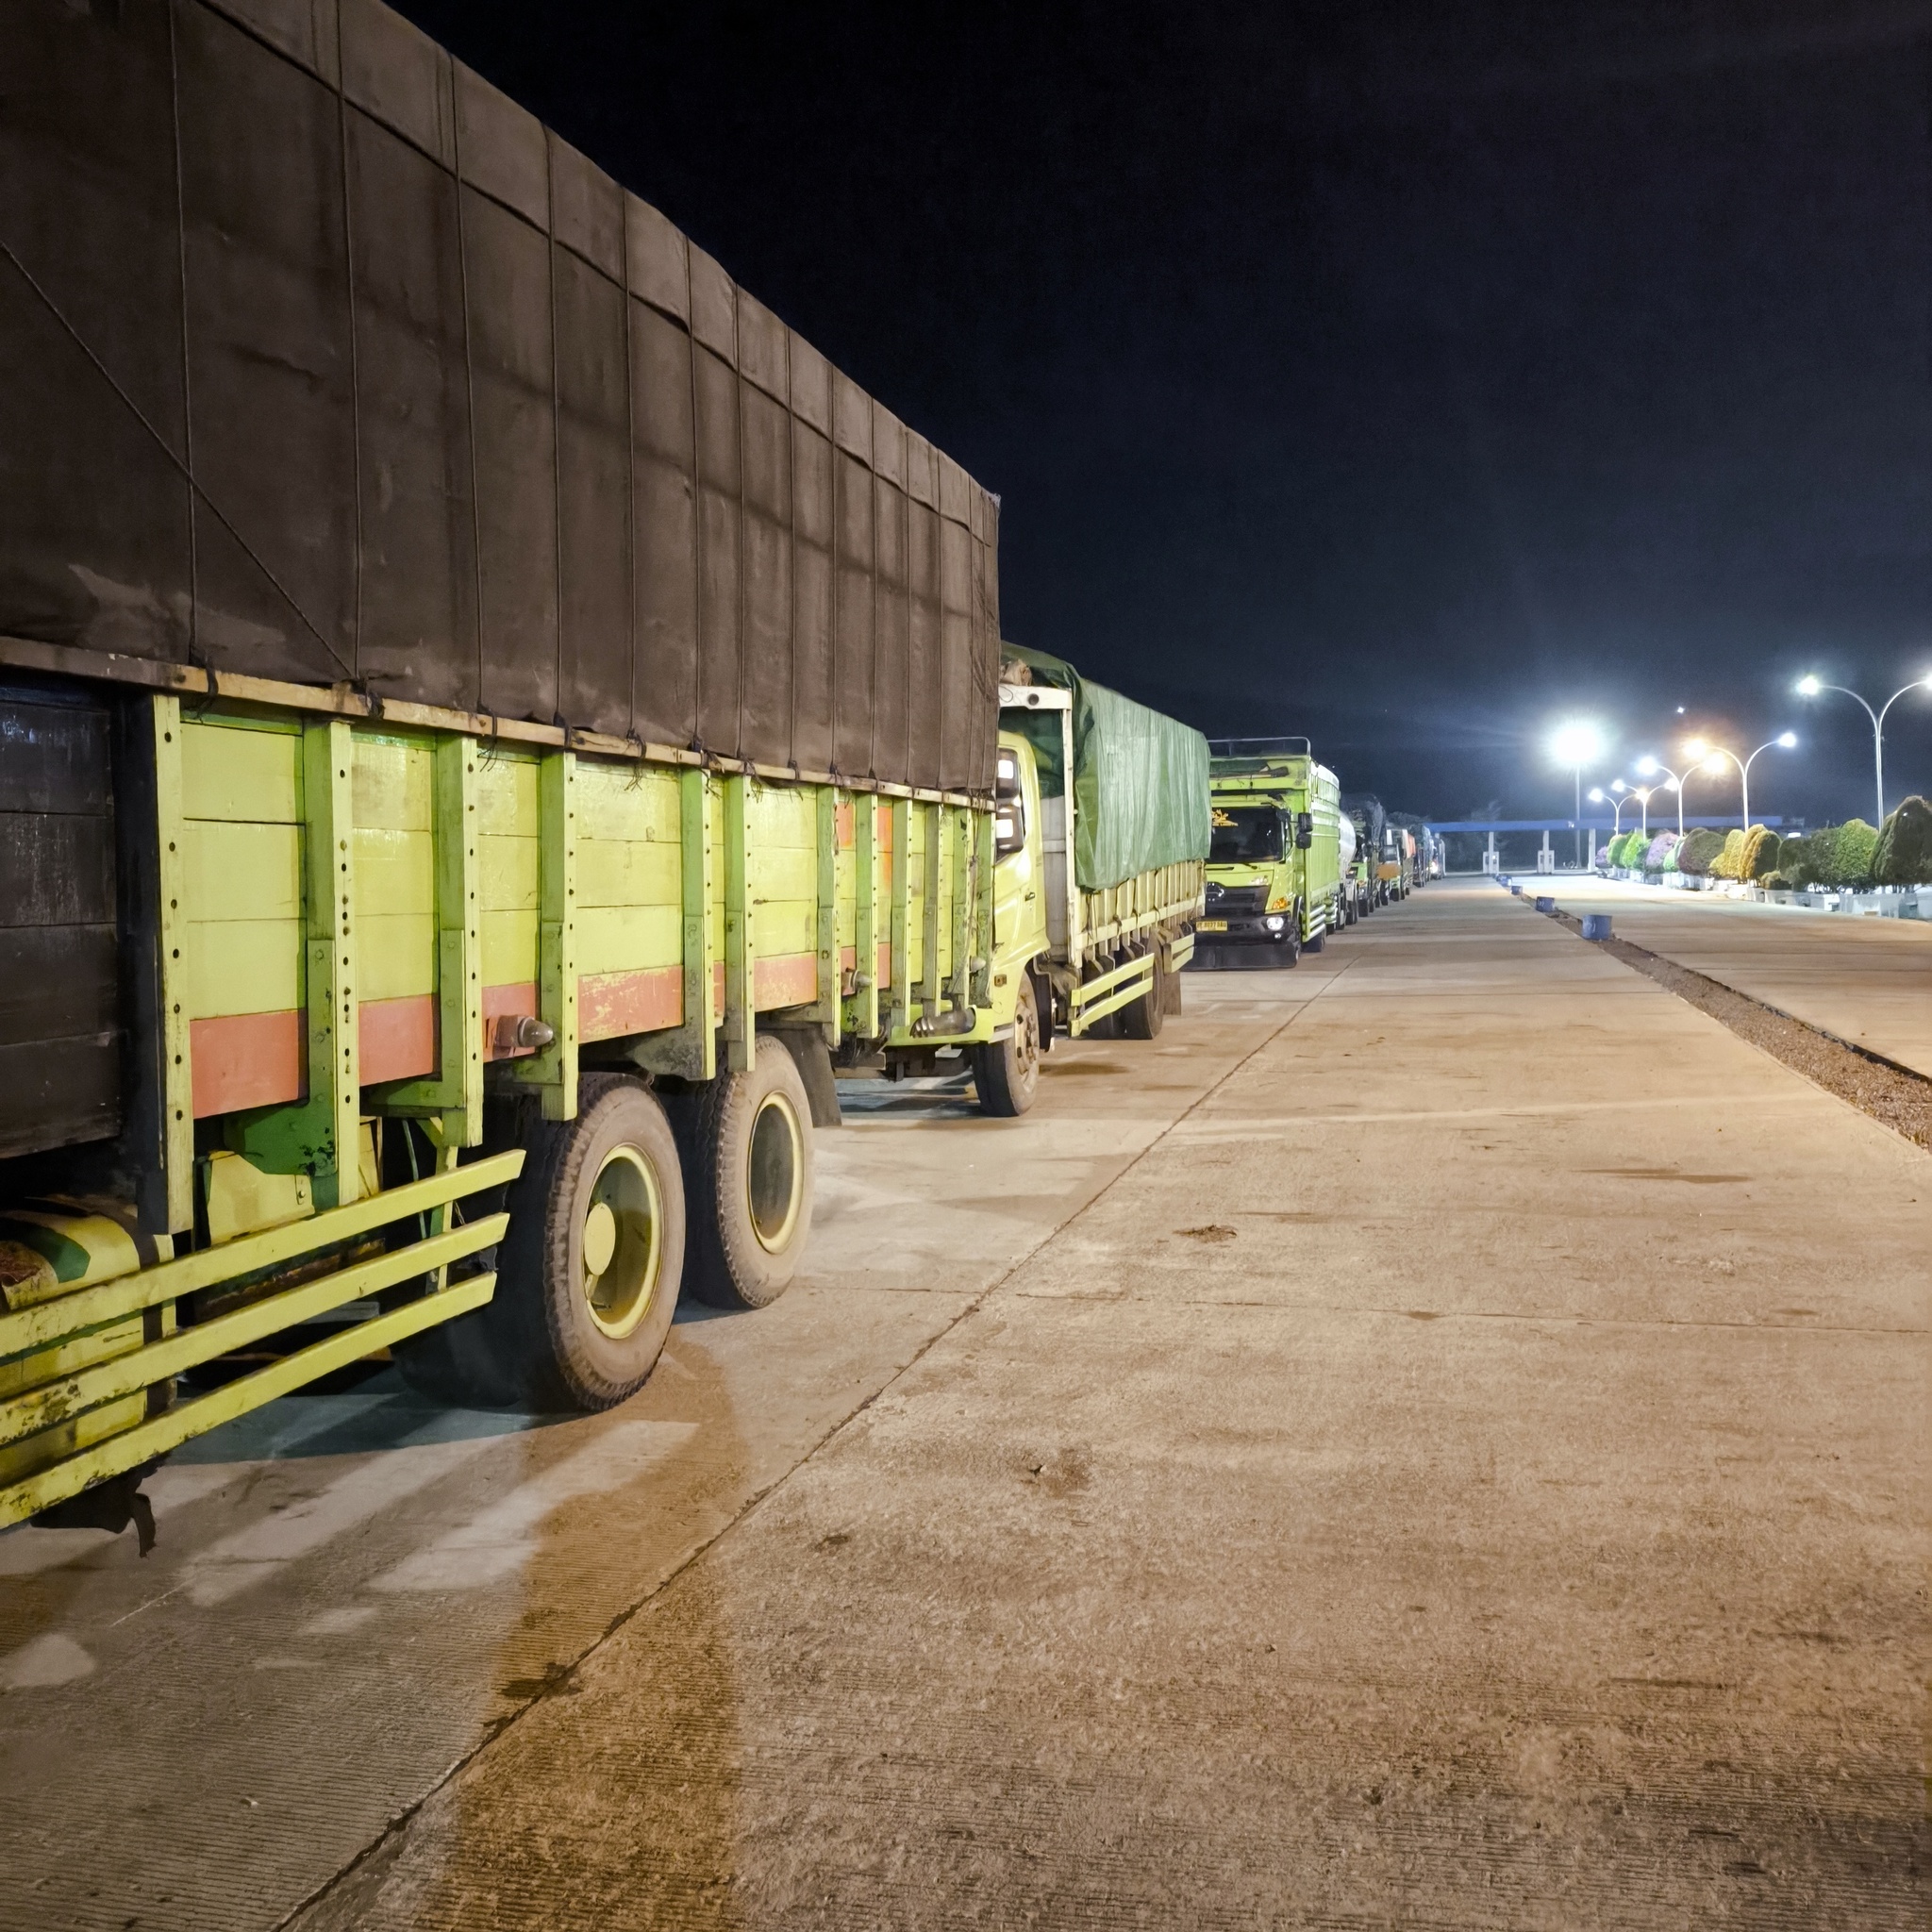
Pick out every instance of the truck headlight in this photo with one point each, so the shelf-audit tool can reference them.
(1274, 922)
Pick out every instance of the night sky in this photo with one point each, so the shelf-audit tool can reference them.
(1406, 375)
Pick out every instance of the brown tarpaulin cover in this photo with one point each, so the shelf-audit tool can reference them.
(325, 361)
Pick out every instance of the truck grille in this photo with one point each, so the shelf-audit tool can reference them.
(1223, 900)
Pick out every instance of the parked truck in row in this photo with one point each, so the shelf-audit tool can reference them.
(1279, 874)
(471, 767)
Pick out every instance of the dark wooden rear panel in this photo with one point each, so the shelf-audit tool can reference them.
(60, 996)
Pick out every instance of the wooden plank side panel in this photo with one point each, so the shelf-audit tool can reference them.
(56, 868)
(58, 982)
(59, 965)
(54, 1093)
(54, 757)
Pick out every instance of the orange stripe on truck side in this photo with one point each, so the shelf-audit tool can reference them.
(396, 1039)
(254, 1060)
(246, 1059)
(791, 980)
(613, 1002)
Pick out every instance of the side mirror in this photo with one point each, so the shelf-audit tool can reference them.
(1303, 830)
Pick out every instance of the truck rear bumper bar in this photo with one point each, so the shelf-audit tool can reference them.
(88, 1373)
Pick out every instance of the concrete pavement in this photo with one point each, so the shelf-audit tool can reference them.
(1866, 980)
(1437, 1439)
(351, 1592)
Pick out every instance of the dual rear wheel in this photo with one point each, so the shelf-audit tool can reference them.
(614, 1214)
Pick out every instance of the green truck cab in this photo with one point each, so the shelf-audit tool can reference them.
(1275, 873)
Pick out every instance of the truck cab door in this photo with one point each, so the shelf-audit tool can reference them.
(1019, 893)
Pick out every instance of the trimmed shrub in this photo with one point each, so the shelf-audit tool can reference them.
(1620, 848)
(1700, 848)
(1858, 847)
(1760, 855)
(1843, 855)
(1657, 854)
(1793, 863)
(1729, 861)
(1904, 857)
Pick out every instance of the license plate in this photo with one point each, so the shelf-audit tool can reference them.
(1211, 925)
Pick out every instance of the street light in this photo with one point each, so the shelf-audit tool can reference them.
(1676, 783)
(1576, 743)
(1622, 795)
(1811, 686)
(1715, 755)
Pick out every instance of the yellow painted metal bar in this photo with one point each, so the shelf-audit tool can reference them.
(960, 981)
(929, 961)
(456, 1091)
(741, 949)
(1092, 988)
(862, 1006)
(187, 1348)
(827, 1010)
(87, 1308)
(554, 1069)
(980, 941)
(899, 1002)
(169, 1430)
(334, 1049)
(1084, 1015)
(690, 1049)
(177, 1063)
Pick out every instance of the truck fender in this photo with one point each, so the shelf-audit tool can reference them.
(1042, 1002)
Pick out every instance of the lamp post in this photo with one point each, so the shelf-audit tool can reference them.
(1716, 754)
(1811, 686)
(1575, 744)
(1619, 795)
(1677, 785)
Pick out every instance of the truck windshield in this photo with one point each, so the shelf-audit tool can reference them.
(1245, 835)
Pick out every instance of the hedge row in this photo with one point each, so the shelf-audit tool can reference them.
(1898, 852)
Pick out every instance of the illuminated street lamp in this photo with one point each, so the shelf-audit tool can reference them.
(1675, 783)
(1715, 755)
(1624, 794)
(1576, 743)
(1811, 686)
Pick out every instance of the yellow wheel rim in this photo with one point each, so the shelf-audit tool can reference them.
(621, 1242)
(774, 1172)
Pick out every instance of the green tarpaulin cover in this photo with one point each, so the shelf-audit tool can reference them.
(1139, 777)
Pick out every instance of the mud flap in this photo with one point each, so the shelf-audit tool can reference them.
(813, 1059)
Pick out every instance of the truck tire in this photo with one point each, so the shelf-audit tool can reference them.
(1141, 1019)
(746, 1141)
(1006, 1071)
(588, 1272)
(1314, 943)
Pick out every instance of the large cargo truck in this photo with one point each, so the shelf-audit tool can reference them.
(1101, 833)
(1364, 812)
(488, 714)
(1274, 876)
